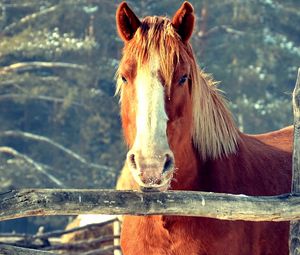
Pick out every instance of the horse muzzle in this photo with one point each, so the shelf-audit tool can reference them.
(152, 173)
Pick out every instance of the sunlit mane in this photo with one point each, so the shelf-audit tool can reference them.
(214, 133)
(156, 35)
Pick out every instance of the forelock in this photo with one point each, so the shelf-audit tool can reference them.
(156, 36)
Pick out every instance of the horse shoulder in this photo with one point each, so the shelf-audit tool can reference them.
(265, 162)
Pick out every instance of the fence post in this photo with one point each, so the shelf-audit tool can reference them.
(295, 225)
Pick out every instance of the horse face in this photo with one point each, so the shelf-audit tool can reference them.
(156, 114)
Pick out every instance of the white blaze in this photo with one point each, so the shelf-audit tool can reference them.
(151, 118)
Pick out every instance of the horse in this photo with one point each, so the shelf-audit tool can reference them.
(182, 136)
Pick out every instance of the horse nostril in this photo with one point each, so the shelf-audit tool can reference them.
(131, 159)
(168, 163)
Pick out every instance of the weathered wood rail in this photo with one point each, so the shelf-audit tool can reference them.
(41, 202)
(13, 250)
(285, 207)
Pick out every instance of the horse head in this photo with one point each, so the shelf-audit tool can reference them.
(154, 82)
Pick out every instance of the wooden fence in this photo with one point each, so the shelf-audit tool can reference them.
(285, 207)
(294, 241)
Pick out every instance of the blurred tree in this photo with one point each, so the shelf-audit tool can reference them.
(253, 48)
(60, 125)
(56, 81)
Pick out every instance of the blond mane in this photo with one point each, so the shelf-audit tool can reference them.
(214, 132)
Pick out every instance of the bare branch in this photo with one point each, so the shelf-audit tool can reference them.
(57, 233)
(81, 244)
(45, 241)
(13, 250)
(20, 5)
(29, 18)
(9, 235)
(27, 242)
(36, 65)
(105, 251)
(39, 97)
(12, 82)
(55, 144)
(218, 29)
(37, 166)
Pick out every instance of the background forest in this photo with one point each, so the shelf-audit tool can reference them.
(59, 118)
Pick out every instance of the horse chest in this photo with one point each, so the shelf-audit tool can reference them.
(201, 236)
(145, 235)
(153, 236)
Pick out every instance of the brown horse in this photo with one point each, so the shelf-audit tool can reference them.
(182, 136)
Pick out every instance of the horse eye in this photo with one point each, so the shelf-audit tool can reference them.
(123, 79)
(183, 79)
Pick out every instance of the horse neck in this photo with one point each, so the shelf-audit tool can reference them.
(256, 168)
(210, 174)
(214, 134)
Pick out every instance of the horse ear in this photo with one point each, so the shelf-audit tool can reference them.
(127, 22)
(184, 20)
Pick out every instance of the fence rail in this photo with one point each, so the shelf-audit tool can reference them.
(41, 202)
